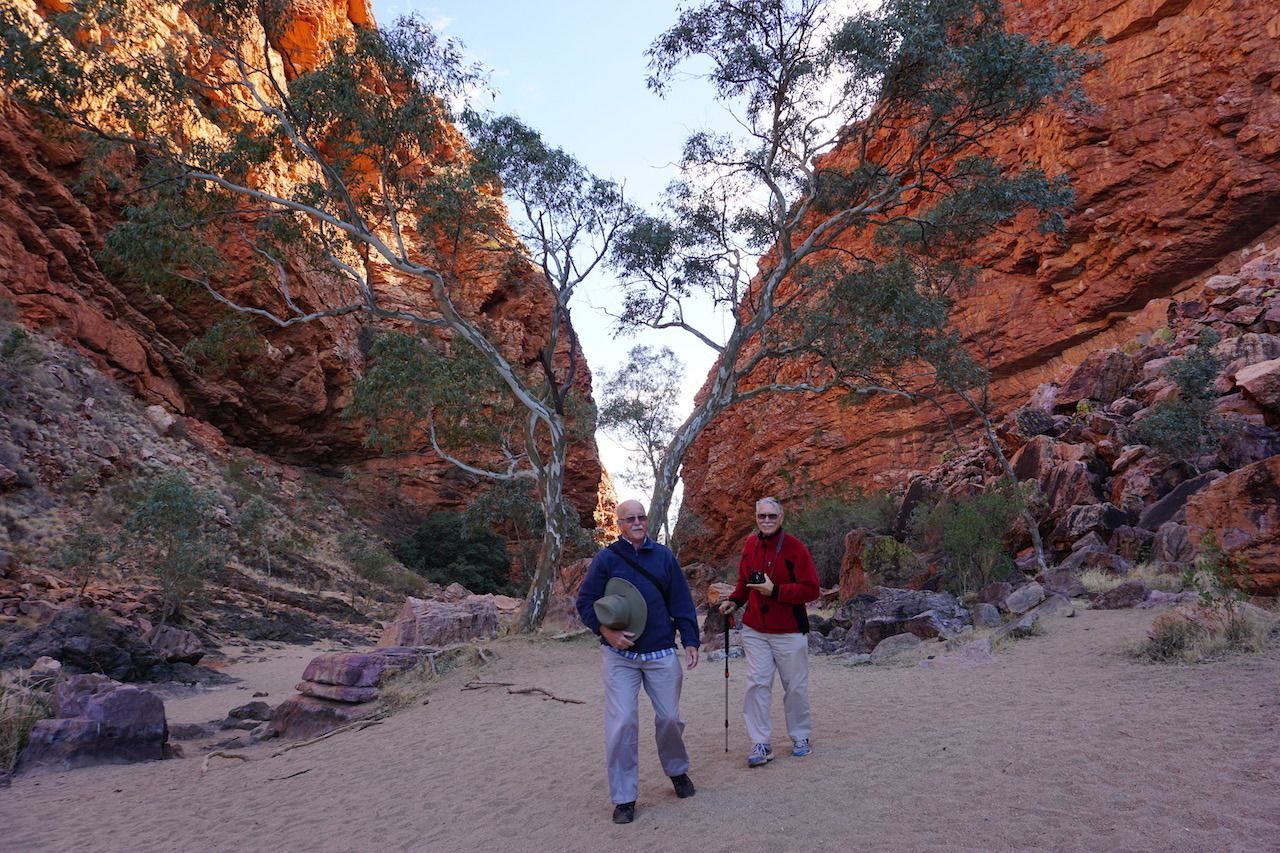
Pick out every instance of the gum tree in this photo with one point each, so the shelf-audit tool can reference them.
(197, 116)
(860, 146)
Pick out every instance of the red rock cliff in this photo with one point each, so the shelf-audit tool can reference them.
(288, 406)
(1178, 171)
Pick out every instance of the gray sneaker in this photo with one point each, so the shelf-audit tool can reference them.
(801, 748)
(761, 755)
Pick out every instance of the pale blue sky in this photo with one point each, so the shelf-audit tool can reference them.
(576, 71)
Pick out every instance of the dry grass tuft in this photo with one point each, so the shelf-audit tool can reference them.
(413, 686)
(22, 705)
(1202, 632)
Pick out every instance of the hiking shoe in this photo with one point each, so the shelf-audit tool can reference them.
(624, 812)
(683, 785)
(761, 755)
(801, 748)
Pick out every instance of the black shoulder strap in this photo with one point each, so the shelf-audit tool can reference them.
(620, 548)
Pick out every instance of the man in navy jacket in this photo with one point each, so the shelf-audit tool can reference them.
(648, 660)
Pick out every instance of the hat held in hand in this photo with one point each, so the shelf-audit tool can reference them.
(622, 607)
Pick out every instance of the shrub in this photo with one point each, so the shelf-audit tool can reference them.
(1187, 427)
(370, 560)
(1097, 581)
(822, 526)
(968, 535)
(445, 549)
(1207, 631)
(889, 562)
(177, 539)
(81, 555)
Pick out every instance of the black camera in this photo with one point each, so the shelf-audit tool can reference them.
(755, 577)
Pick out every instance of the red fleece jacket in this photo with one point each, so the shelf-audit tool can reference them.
(786, 561)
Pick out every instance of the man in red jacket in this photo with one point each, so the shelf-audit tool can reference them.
(776, 578)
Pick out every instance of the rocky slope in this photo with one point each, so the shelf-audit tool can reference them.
(1177, 178)
(285, 399)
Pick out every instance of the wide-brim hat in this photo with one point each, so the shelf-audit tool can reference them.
(622, 607)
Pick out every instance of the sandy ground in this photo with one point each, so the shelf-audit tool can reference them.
(1062, 744)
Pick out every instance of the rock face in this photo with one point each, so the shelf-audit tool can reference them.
(1242, 510)
(289, 405)
(97, 721)
(1175, 173)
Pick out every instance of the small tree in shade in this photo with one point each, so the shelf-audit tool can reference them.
(860, 148)
(176, 539)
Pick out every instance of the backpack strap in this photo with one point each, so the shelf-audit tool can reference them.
(620, 549)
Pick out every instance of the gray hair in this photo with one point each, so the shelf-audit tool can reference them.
(777, 504)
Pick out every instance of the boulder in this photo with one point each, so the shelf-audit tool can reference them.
(1241, 510)
(1102, 377)
(895, 647)
(1024, 598)
(1170, 507)
(1172, 544)
(362, 669)
(1131, 593)
(1261, 383)
(430, 622)
(1245, 443)
(174, 644)
(1132, 543)
(1079, 521)
(985, 615)
(96, 721)
(307, 716)
(84, 640)
(336, 692)
(869, 619)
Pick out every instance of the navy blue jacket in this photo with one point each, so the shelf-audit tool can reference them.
(675, 610)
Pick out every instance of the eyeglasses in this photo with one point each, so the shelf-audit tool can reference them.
(632, 519)
(766, 516)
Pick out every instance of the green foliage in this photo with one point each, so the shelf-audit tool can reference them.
(176, 538)
(369, 559)
(81, 555)
(225, 344)
(17, 347)
(1187, 427)
(1084, 407)
(411, 380)
(1214, 573)
(822, 524)
(968, 535)
(891, 563)
(638, 407)
(445, 550)
(1162, 335)
(510, 509)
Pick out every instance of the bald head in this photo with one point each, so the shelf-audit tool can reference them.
(633, 523)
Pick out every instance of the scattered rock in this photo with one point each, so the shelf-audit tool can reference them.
(985, 615)
(1131, 593)
(97, 721)
(1024, 598)
(894, 647)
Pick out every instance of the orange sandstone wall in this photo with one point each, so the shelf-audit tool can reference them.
(289, 406)
(1177, 171)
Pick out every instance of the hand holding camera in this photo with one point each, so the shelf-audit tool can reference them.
(755, 577)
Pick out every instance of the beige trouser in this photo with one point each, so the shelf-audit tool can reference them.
(788, 654)
(623, 679)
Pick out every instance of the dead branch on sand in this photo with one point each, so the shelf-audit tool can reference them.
(204, 767)
(358, 725)
(480, 685)
(546, 694)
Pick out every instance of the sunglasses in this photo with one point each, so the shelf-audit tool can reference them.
(766, 516)
(632, 519)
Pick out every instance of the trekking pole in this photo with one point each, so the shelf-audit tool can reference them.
(728, 620)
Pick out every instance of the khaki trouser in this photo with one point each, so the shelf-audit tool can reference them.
(788, 654)
(662, 680)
